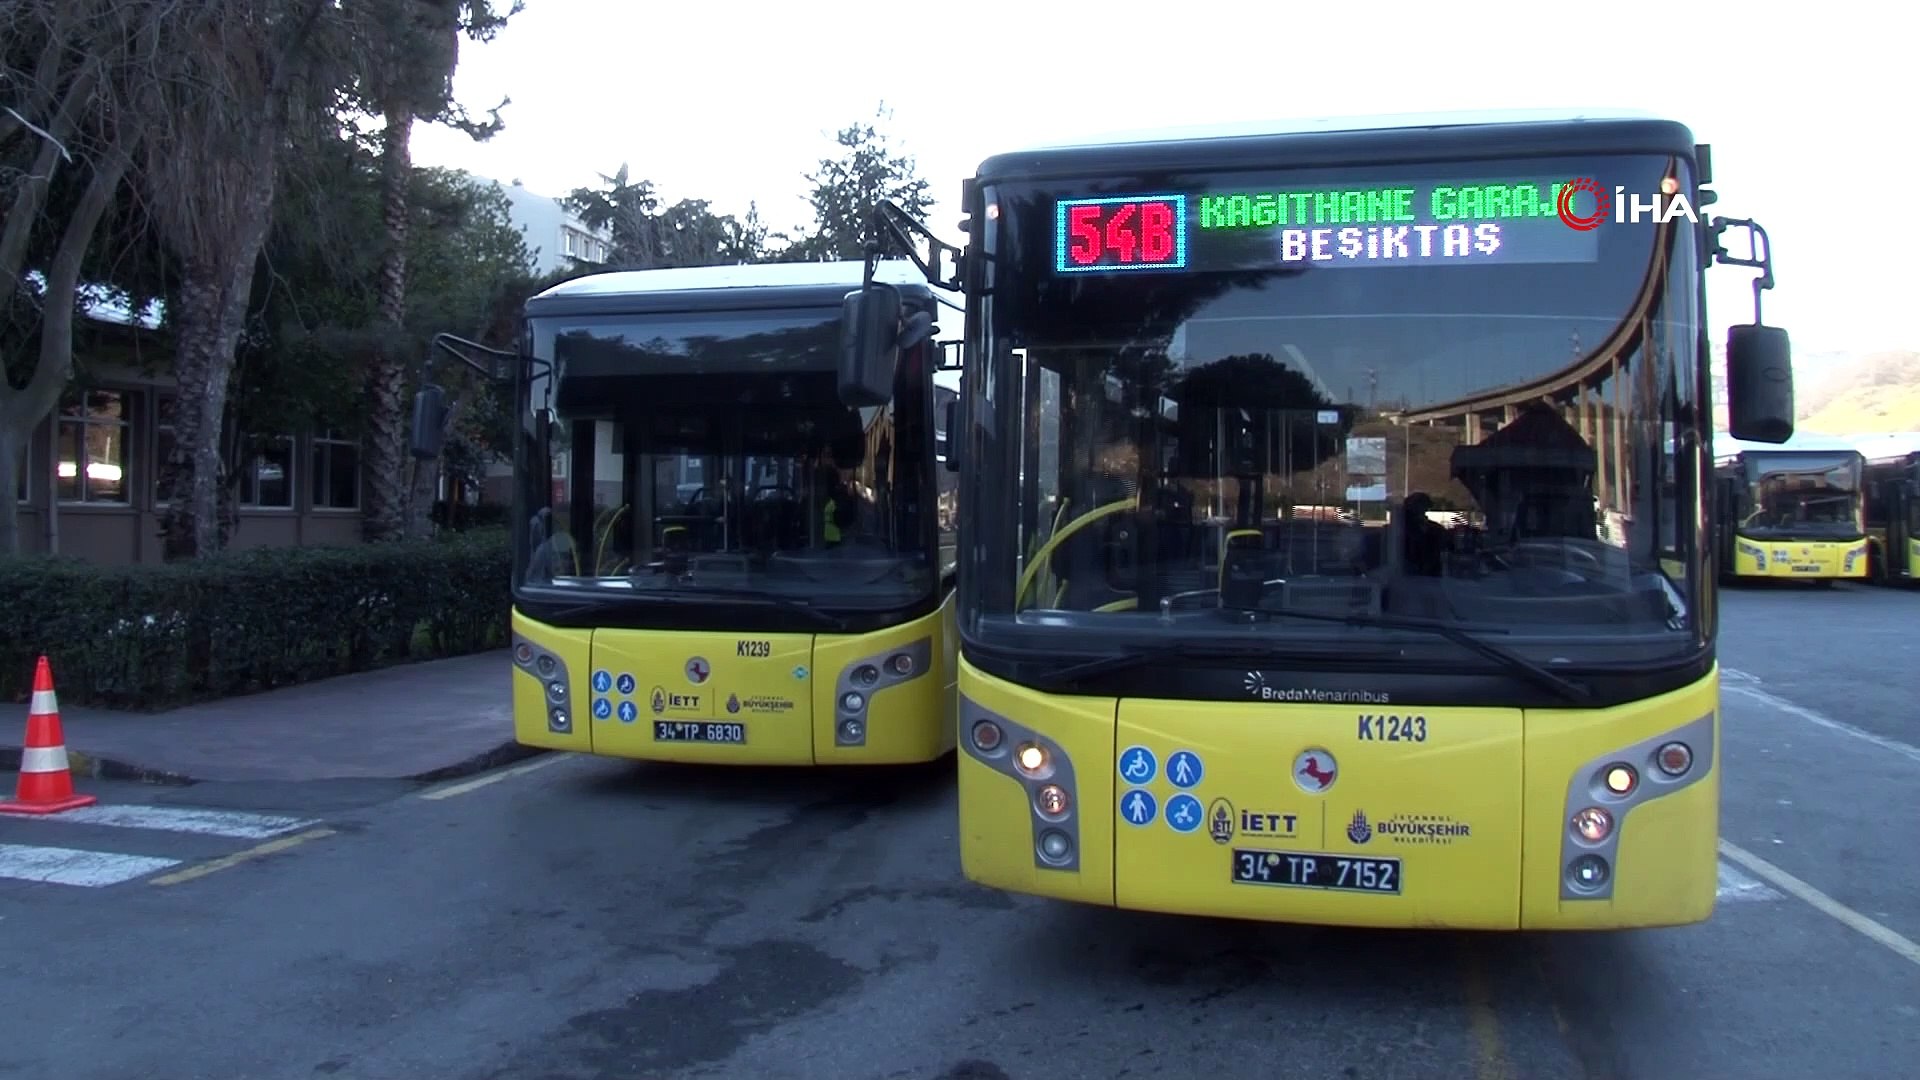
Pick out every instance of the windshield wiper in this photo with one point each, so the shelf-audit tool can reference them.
(804, 607)
(1507, 659)
(625, 599)
(1135, 655)
(1188, 650)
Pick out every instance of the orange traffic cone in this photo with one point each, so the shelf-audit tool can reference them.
(46, 783)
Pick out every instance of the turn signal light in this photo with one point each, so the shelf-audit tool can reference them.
(1052, 800)
(1675, 758)
(1593, 824)
(902, 664)
(1621, 779)
(987, 736)
(523, 652)
(1031, 758)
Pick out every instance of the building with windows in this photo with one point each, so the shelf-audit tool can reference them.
(553, 235)
(89, 480)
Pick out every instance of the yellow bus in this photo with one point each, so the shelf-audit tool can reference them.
(1454, 705)
(1893, 517)
(729, 547)
(1792, 513)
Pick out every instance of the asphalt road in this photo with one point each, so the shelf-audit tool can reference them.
(576, 919)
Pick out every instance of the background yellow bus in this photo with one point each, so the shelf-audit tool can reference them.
(1793, 512)
(729, 546)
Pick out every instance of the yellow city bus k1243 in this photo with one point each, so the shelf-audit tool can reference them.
(1791, 512)
(728, 546)
(1186, 686)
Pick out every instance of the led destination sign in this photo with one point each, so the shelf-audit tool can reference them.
(1415, 223)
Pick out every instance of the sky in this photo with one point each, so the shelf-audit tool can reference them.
(735, 102)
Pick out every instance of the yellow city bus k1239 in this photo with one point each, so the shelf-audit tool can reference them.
(728, 545)
(1791, 513)
(1457, 701)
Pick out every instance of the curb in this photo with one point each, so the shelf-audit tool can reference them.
(505, 753)
(93, 767)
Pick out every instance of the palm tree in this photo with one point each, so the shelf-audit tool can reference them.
(409, 51)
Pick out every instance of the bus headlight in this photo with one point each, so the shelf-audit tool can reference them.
(852, 701)
(1620, 779)
(559, 721)
(1675, 758)
(546, 665)
(987, 736)
(1593, 824)
(902, 664)
(556, 691)
(1031, 758)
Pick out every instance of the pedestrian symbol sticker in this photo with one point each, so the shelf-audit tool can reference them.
(1184, 770)
(1137, 807)
(1183, 810)
(626, 683)
(602, 681)
(602, 708)
(628, 712)
(1137, 765)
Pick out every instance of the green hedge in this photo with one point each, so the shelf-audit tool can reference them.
(150, 637)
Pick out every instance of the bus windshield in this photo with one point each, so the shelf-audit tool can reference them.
(1792, 495)
(1399, 392)
(693, 452)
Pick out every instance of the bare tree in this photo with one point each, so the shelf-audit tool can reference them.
(76, 77)
(208, 178)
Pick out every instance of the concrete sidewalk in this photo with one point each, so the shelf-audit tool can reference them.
(424, 721)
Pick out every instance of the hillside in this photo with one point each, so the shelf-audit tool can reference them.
(1876, 393)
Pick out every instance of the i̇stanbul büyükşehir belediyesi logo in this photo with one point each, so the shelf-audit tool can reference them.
(1627, 207)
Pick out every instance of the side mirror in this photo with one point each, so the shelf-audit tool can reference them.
(429, 422)
(869, 345)
(1759, 383)
(952, 423)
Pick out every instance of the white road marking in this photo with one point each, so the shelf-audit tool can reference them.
(1896, 943)
(1736, 887)
(68, 866)
(1740, 682)
(183, 819)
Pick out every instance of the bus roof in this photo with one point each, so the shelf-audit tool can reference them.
(1349, 140)
(1301, 125)
(748, 276)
